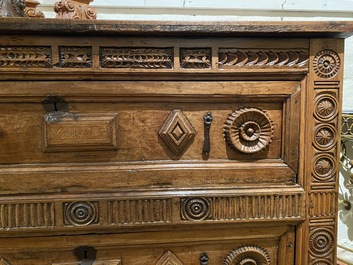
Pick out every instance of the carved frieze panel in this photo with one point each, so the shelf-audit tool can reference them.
(144, 58)
(242, 208)
(169, 258)
(75, 57)
(27, 215)
(257, 58)
(79, 132)
(96, 262)
(248, 254)
(177, 132)
(248, 130)
(81, 213)
(195, 58)
(25, 56)
(74, 9)
(139, 211)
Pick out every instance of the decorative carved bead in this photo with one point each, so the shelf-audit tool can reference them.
(326, 107)
(325, 137)
(12, 8)
(244, 255)
(177, 132)
(321, 242)
(31, 9)
(238, 58)
(195, 209)
(81, 213)
(25, 56)
(326, 63)
(148, 58)
(324, 167)
(195, 58)
(74, 9)
(248, 130)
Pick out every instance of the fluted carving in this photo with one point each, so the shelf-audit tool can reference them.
(74, 9)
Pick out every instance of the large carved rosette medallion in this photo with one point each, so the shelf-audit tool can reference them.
(321, 242)
(195, 209)
(248, 130)
(248, 255)
(326, 63)
(326, 107)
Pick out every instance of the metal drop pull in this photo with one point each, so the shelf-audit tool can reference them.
(85, 254)
(207, 125)
(203, 259)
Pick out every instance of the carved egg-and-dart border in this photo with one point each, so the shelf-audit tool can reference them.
(248, 130)
(248, 254)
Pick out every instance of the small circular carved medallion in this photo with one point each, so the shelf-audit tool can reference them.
(320, 262)
(326, 107)
(248, 130)
(325, 137)
(196, 209)
(324, 167)
(81, 213)
(248, 255)
(321, 242)
(326, 63)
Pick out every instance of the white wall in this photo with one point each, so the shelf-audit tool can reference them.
(275, 10)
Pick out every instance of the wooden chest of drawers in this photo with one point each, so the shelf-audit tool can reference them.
(169, 143)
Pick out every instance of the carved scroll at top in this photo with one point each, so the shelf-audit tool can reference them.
(241, 57)
(31, 9)
(145, 58)
(74, 9)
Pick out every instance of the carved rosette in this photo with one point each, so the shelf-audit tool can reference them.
(324, 167)
(248, 130)
(195, 209)
(325, 107)
(81, 213)
(321, 242)
(177, 132)
(326, 63)
(244, 255)
(74, 9)
(31, 9)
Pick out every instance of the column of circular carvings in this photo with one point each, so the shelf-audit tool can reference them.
(326, 65)
(74, 9)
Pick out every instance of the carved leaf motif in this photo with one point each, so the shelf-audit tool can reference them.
(195, 58)
(79, 57)
(248, 130)
(177, 132)
(169, 258)
(148, 58)
(248, 254)
(239, 58)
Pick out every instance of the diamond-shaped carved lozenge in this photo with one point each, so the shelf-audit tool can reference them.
(177, 132)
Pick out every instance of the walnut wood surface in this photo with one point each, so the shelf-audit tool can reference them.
(102, 138)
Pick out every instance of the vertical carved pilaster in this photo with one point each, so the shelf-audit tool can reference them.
(31, 9)
(74, 9)
(320, 179)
